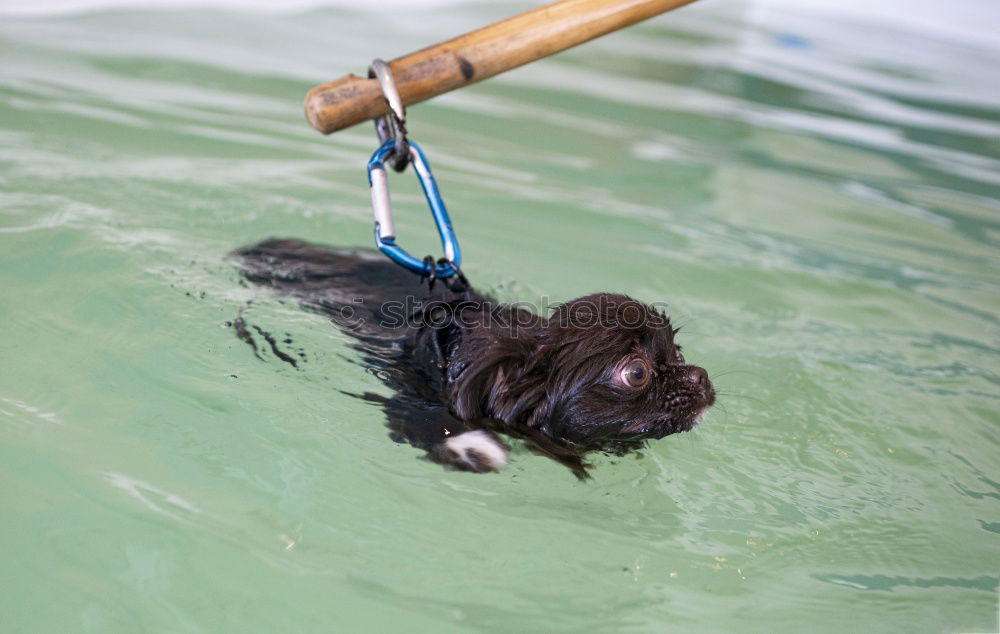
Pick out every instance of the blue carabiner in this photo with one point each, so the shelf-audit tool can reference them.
(385, 232)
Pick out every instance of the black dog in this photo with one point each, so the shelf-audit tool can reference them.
(602, 372)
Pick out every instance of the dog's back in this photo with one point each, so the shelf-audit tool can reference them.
(373, 299)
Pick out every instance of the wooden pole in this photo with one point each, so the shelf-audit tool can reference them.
(475, 56)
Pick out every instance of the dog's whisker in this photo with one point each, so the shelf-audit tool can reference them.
(731, 395)
(730, 372)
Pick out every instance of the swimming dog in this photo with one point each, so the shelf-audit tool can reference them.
(600, 373)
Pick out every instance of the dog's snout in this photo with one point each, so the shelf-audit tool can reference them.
(698, 376)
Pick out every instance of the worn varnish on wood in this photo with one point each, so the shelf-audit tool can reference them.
(477, 55)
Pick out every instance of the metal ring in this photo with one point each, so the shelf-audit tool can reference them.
(393, 125)
(385, 231)
(384, 76)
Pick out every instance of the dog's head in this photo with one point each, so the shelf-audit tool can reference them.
(602, 372)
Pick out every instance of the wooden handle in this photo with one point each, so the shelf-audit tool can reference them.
(478, 55)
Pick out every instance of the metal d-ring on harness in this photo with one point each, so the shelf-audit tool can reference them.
(399, 151)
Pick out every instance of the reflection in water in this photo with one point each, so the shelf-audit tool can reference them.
(882, 582)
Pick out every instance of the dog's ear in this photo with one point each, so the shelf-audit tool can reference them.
(503, 379)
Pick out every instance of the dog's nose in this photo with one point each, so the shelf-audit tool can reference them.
(696, 375)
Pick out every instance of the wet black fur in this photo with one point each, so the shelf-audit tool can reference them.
(462, 361)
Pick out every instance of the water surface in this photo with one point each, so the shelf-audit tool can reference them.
(815, 195)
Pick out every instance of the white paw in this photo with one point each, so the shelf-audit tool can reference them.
(477, 450)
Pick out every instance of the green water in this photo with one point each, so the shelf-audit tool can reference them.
(817, 199)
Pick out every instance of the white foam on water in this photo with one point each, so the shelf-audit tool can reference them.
(957, 20)
(60, 7)
(970, 21)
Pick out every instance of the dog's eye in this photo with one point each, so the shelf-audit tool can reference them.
(635, 374)
(678, 357)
